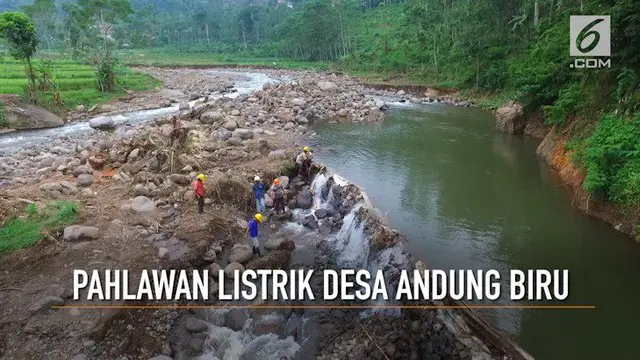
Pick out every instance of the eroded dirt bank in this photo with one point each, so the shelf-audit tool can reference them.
(137, 212)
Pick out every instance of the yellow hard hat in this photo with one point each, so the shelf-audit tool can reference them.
(259, 217)
(202, 177)
(306, 148)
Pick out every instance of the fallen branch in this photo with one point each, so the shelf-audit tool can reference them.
(373, 341)
(11, 288)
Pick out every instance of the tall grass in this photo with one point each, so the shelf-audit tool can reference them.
(35, 223)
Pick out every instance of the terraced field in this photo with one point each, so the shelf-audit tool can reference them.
(77, 82)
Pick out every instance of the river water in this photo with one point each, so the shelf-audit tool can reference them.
(468, 197)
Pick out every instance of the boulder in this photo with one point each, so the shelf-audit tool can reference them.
(231, 268)
(240, 253)
(97, 161)
(230, 125)
(289, 126)
(82, 169)
(84, 180)
(133, 155)
(234, 142)
(321, 213)
(179, 179)
(273, 244)
(304, 199)
(80, 233)
(214, 270)
(22, 116)
(327, 86)
(278, 259)
(194, 325)
(143, 205)
(102, 123)
(301, 103)
(184, 106)
(235, 319)
(211, 117)
(223, 134)
(510, 119)
(243, 134)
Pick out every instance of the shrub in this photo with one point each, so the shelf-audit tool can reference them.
(612, 159)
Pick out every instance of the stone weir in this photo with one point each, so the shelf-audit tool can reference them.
(332, 225)
(366, 241)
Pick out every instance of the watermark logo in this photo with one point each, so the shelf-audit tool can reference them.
(590, 41)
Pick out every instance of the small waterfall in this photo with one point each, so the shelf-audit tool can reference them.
(351, 244)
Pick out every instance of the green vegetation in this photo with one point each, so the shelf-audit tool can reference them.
(75, 82)
(173, 57)
(3, 120)
(36, 223)
(19, 32)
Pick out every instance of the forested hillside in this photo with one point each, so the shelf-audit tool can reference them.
(515, 49)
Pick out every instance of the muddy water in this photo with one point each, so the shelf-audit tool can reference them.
(468, 197)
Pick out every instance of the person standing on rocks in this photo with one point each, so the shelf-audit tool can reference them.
(277, 194)
(252, 230)
(258, 191)
(303, 161)
(198, 190)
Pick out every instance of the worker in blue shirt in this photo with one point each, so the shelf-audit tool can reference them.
(252, 231)
(258, 191)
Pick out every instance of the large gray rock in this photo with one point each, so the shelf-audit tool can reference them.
(236, 318)
(23, 116)
(510, 119)
(82, 169)
(240, 253)
(229, 271)
(211, 117)
(195, 325)
(223, 134)
(230, 125)
(84, 180)
(304, 199)
(327, 86)
(299, 102)
(143, 205)
(243, 134)
(102, 123)
(184, 106)
(80, 233)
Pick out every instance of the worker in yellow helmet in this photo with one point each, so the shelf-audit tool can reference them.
(252, 230)
(303, 162)
(198, 191)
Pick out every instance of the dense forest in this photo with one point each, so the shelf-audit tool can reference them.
(515, 49)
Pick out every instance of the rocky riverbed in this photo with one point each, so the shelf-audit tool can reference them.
(137, 211)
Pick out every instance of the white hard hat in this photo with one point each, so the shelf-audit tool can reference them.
(257, 178)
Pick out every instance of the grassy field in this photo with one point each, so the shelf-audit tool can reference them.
(77, 82)
(33, 226)
(164, 57)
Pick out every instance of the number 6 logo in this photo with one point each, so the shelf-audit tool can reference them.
(590, 36)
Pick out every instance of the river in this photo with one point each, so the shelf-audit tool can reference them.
(468, 197)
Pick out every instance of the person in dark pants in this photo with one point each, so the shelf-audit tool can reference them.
(252, 231)
(198, 190)
(303, 162)
(277, 194)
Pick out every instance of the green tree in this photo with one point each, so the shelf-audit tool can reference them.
(20, 33)
(104, 15)
(43, 13)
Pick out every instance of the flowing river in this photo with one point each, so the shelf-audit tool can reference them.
(468, 197)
